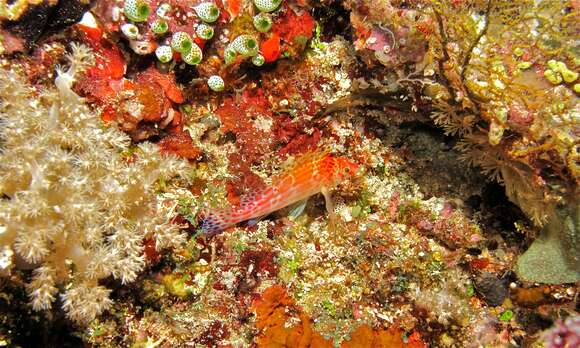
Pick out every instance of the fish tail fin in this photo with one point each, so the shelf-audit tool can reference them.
(215, 222)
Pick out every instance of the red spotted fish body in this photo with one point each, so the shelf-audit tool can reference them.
(312, 173)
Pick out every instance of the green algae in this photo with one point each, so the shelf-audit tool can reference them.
(506, 315)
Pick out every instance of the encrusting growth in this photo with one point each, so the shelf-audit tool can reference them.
(78, 200)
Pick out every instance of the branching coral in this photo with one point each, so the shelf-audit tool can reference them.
(78, 200)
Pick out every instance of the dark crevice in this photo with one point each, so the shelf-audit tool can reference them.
(334, 20)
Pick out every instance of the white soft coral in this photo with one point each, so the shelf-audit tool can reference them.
(80, 59)
(75, 209)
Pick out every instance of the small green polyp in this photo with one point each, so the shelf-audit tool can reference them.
(554, 77)
(507, 315)
(524, 65)
(136, 10)
(569, 76)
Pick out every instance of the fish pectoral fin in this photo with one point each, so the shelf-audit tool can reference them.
(255, 220)
(297, 209)
(329, 206)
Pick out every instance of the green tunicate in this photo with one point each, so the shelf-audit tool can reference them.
(175, 284)
(501, 114)
(258, 60)
(181, 42)
(552, 64)
(204, 31)
(207, 12)
(554, 77)
(163, 10)
(246, 45)
(262, 22)
(560, 67)
(136, 10)
(216, 83)
(495, 133)
(164, 53)
(267, 5)
(130, 31)
(159, 26)
(230, 54)
(193, 56)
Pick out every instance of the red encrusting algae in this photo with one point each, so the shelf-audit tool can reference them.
(179, 144)
(274, 308)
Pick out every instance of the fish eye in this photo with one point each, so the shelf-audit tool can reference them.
(347, 170)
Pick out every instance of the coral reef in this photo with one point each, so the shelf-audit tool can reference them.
(459, 230)
(78, 200)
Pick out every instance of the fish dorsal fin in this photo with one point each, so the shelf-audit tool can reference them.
(309, 158)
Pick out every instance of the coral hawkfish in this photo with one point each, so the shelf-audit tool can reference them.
(313, 172)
